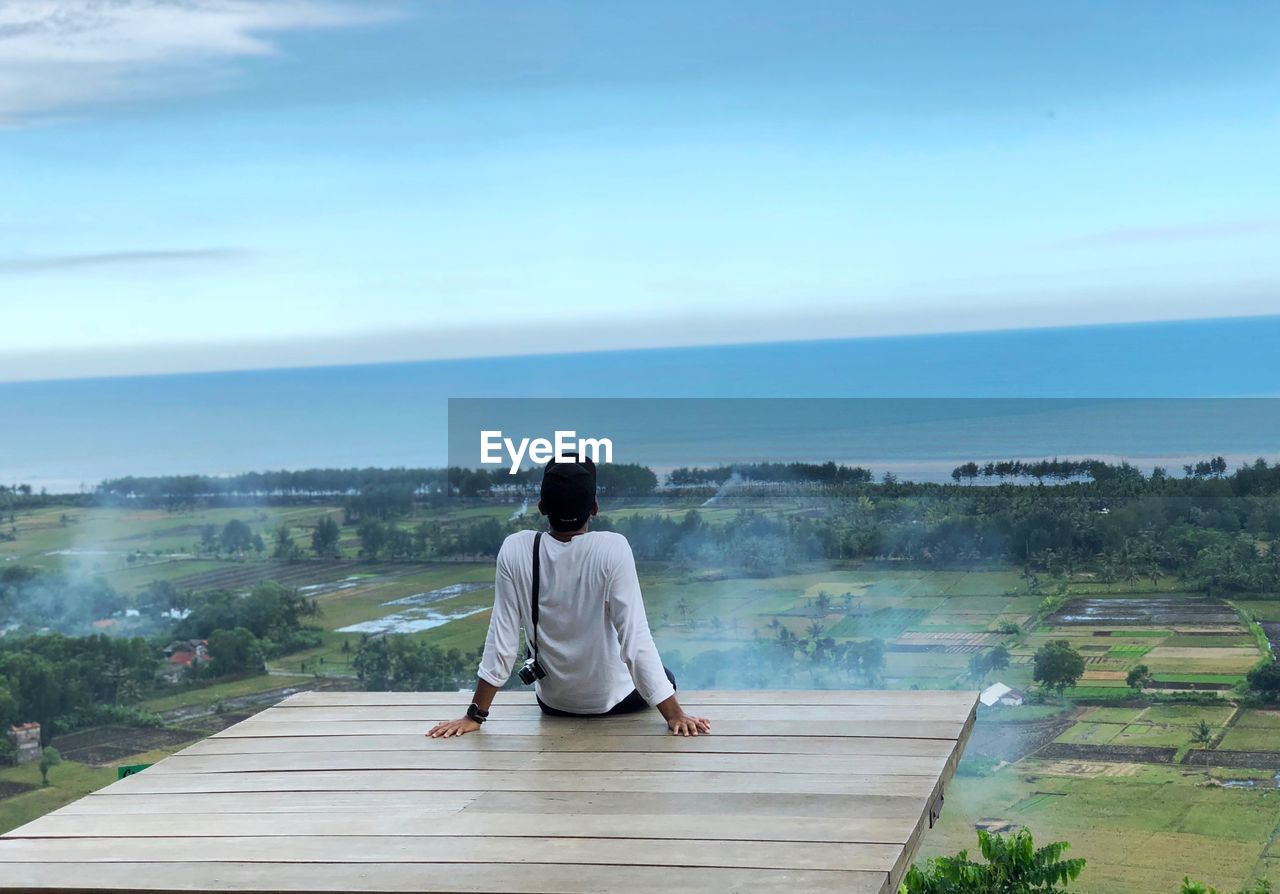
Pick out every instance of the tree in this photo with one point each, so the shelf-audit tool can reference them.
(49, 758)
(1265, 681)
(1014, 865)
(1138, 678)
(8, 706)
(373, 537)
(236, 537)
(324, 540)
(998, 658)
(234, 650)
(1202, 734)
(285, 548)
(977, 666)
(209, 538)
(1057, 666)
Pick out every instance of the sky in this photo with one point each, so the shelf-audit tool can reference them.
(235, 184)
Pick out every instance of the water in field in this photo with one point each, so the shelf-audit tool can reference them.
(416, 614)
(438, 595)
(412, 621)
(348, 583)
(1274, 782)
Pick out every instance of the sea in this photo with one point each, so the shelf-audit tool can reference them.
(914, 406)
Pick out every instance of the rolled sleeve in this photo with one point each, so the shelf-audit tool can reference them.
(502, 643)
(625, 605)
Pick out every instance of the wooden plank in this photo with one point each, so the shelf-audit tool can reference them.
(409, 804)
(373, 714)
(111, 800)
(673, 853)
(555, 744)
(536, 781)
(904, 729)
(824, 806)
(733, 827)
(426, 757)
(825, 697)
(460, 878)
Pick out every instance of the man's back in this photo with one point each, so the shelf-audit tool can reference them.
(593, 636)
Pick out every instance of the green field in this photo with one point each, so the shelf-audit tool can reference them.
(1139, 833)
(1141, 826)
(218, 692)
(68, 782)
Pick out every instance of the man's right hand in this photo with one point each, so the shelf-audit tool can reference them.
(448, 728)
(687, 725)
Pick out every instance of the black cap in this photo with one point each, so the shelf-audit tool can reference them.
(568, 493)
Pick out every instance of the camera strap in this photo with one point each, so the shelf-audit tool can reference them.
(537, 574)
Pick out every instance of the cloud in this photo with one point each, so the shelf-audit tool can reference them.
(1183, 233)
(64, 55)
(116, 258)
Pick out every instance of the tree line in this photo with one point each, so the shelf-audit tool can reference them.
(776, 473)
(64, 682)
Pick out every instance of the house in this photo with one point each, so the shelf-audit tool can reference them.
(198, 649)
(184, 653)
(26, 741)
(1000, 694)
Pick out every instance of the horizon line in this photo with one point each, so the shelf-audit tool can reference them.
(311, 345)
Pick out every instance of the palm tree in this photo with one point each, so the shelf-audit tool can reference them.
(1131, 573)
(822, 604)
(1107, 570)
(1202, 734)
(1013, 865)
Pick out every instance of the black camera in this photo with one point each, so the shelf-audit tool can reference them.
(531, 671)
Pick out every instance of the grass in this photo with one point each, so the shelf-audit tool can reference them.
(1125, 650)
(1187, 715)
(69, 781)
(1183, 827)
(211, 695)
(1254, 731)
(1091, 734)
(1237, 641)
(1099, 692)
(1262, 609)
(1167, 677)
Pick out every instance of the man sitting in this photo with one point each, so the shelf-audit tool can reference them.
(592, 654)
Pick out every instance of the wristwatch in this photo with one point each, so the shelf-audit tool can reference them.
(476, 714)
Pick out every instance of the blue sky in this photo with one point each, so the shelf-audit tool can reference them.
(243, 183)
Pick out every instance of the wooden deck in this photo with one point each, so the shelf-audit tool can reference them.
(794, 791)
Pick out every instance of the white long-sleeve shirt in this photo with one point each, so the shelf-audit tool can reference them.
(593, 637)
